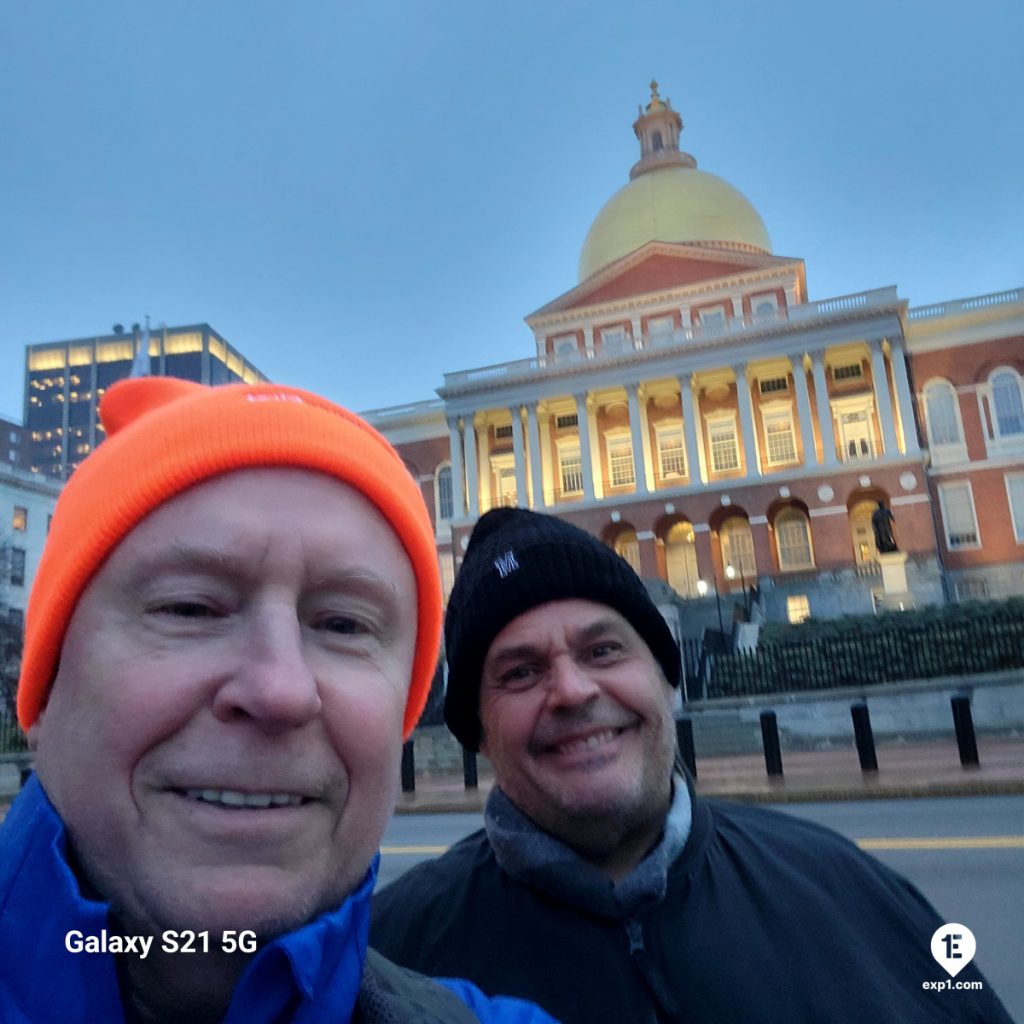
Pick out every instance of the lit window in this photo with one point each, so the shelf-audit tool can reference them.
(849, 372)
(627, 546)
(778, 435)
(940, 409)
(1007, 405)
(19, 520)
(17, 567)
(798, 608)
(447, 564)
(793, 539)
(1015, 493)
(957, 503)
(671, 455)
(570, 469)
(681, 560)
(737, 544)
(620, 462)
(725, 453)
(445, 500)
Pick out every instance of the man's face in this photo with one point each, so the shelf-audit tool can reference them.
(222, 734)
(577, 721)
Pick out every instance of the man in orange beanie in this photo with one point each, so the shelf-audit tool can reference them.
(233, 626)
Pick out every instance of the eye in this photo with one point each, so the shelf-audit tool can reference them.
(188, 610)
(519, 677)
(341, 625)
(605, 650)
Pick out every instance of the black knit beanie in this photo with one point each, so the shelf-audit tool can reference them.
(516, 560)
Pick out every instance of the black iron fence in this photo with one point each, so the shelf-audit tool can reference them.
(927, 651)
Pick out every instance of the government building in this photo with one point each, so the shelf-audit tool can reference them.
(690, 404)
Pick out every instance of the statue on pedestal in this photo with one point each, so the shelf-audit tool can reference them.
(881, 522)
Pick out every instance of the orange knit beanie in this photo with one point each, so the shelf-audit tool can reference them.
(166, 435)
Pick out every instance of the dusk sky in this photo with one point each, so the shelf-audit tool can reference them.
(360, 198)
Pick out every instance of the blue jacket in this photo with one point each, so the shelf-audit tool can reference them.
(42, 983)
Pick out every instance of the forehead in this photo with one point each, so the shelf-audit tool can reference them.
(559, 620)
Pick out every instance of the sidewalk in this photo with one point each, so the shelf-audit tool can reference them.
(905, 770)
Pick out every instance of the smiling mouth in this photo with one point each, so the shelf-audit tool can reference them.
(235, 800)
(586, 743)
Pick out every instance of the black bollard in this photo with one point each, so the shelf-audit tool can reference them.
(963, 722)
(684, 740)
(469, 769)
(770, 739)
(408, 767)
(864, 737)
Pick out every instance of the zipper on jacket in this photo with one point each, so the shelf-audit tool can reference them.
(665, 1005)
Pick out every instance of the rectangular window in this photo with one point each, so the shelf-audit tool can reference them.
(19, 520)
(447, 564)
(957, 502)
(660, 329)
(779, 443)
(769, 385)
(620, 462)
(712, 318)
(445, 498)
(798, 608)
(570, 469)
(507, 486)
(613, 341)
(849, 372)
(725, 454)
(1015, 493)
(971, 588)
(17, 567)
(569, 420)
(670, 453)
(503, 432)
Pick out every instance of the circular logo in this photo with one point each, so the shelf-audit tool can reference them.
(953, 947)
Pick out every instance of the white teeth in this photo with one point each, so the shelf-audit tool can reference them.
(595, 740)
(234, 798)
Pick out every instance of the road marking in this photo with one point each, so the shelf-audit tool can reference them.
(916, 843)
(945, 843)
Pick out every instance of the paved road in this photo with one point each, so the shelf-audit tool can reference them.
(965, 854)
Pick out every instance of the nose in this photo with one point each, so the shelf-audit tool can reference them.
(272, 683)
(570, 684)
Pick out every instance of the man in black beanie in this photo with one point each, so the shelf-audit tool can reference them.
(601, 887)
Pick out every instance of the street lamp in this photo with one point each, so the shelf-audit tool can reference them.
(702, 589)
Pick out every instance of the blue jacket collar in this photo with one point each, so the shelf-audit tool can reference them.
(315, 969)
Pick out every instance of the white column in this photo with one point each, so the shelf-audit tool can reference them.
(472, 471)
(536, 465)
(828, 434)
(691, 429)
(883, 398)
(743, 401)
(803, 408)
(588, 342)
(639, 462)
(546, 464)
(637, 332)
(483, 445)
(595, 450)
(582, 416)
(519, 456)
(645, 437)
(455, 445)
(904, 399)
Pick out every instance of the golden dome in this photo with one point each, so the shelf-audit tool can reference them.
(671, 204)
(669, 200)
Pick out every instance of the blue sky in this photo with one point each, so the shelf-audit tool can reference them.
(362, 197)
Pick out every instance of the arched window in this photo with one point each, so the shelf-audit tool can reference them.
(862, 533)
(444, 506)
(793, 540)
(628, 547)
(656, 142)
(940, 409)
(1007, 407)
(737, 544)
(681, 560)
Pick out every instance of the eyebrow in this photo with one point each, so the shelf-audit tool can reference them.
(515, 652)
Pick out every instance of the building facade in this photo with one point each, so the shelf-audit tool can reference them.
(690, 405)
(65, 380)
(27, 501)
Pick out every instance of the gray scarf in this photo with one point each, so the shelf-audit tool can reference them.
(532, 856)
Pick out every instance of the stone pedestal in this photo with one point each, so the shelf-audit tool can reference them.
(897, 597)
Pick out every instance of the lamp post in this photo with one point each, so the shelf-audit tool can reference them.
(702, 589)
